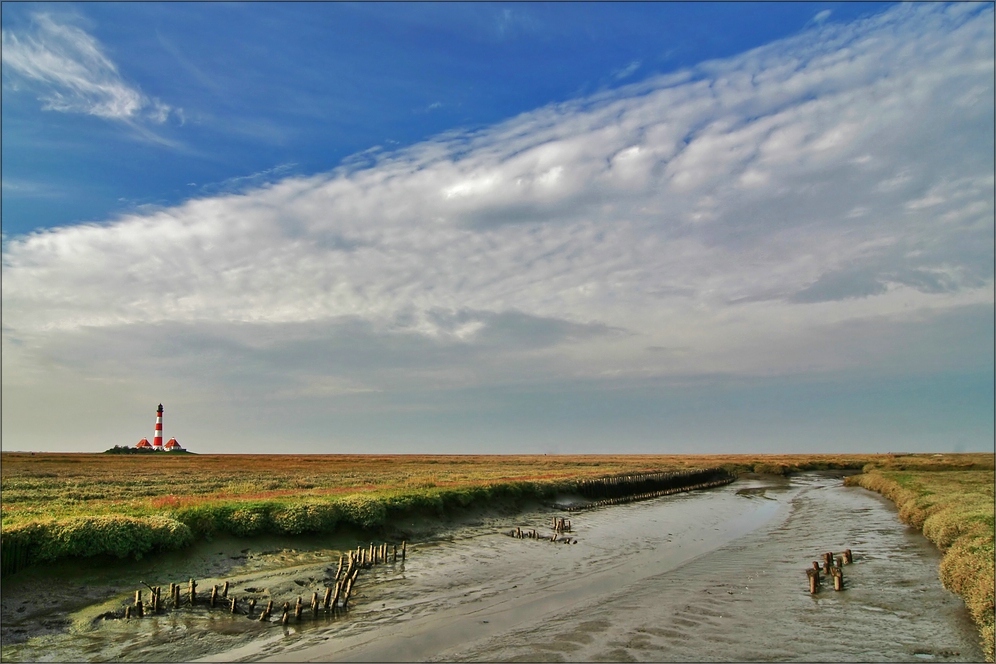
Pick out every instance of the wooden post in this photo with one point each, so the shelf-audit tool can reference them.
(138, 597)
(314, 602)
(334, 602)
(252, 605)
(394, 559)
(224, 592)
(839, 561)
(847, 557)
(328, 596)
(284, 618)
(404, 546)
(838, 579)
(814, 580)
(297, 609)
(214, 595)
(349, 589)
(338, 569)
(192, 587)
(234, 599)
(140, 609)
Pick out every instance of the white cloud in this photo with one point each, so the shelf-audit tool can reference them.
(627, 71)
(71, 73)
(752, 205)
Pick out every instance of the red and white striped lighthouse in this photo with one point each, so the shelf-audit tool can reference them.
(157, 440)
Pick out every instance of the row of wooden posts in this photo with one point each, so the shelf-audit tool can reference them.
(649, 495)
(617, 486)
(336, 596)
(560, 526)
(831, 567)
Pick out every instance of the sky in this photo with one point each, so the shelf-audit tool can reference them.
(499, 228)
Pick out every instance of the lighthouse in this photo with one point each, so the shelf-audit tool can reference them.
(157, 440)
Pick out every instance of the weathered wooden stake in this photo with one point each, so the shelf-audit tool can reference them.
(127, 612)
(847, 557)
(140, 609)
(394, 559)
(193, 591)
(252, 606)
(284, 618)
(234, 599)
(328, 596)
(349, 589)
(338, 569)
(224, 592)
(404, 546)
(814, 580)
(138, 597)
(838, 579)
(297, 609)
(334, 602)
(214, 595)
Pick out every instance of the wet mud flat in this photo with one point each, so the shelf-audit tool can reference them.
(712, 575)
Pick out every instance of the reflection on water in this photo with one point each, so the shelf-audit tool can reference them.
(716, 575)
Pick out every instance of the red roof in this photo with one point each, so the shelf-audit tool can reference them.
(143, 443)
(171, 443)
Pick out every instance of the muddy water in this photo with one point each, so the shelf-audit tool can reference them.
(715, 575)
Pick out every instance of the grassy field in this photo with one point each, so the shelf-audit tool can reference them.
(82, 505)
(954, 510)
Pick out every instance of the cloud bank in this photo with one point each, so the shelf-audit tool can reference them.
(69, 71)
(794, 209)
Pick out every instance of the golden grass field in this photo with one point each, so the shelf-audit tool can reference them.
(81, 505)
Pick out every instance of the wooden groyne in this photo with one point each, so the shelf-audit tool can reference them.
(334, 599)
(832, 570)
(618, 489)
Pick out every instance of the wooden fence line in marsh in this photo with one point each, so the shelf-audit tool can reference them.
(335, 599)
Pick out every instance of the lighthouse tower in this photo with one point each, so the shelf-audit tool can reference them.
(157, 440)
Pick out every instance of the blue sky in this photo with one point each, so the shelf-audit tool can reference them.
(483, 227)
